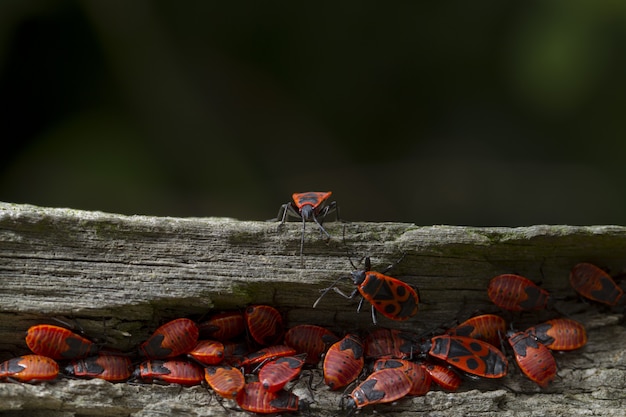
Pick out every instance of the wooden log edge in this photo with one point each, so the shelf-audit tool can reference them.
(120, 276)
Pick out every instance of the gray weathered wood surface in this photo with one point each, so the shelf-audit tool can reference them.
(120, 277)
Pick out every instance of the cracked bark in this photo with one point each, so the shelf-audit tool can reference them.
(119, 277)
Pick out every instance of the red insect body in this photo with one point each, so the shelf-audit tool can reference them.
(560, 334)
(174, 338)
(223, 326)
(307, 206)
(389, 296)
(275, 374)
(172, 371)
(29, 368)
(225, 380)
(470, 355)
(310, 339)
(486, 327)
(517, 293)
(388, 343)
(265, 324)
(58, 342)
(112, 368)
(343, 362)
(534, 359)
(418, 375)
(208, 352)
(445, 377)
(594, 284)
(382, 386)
(256, 399)
(250, 360)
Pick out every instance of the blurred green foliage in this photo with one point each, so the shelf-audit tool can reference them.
(481, 113)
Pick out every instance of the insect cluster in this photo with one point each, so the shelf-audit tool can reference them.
(251, 358)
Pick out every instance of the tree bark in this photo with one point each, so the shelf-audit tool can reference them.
(120, 277)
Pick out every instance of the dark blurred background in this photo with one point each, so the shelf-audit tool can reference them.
(470, 113)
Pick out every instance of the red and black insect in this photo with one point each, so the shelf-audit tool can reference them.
(223, 326)
(516, 293)
(29, 368)
(560, 334)
(58, 342)
(388, 343)
(225, 380)
(275, 374)
(265, 324)
(174, 338)
(595, 284)
(171, 371)
(470, 355)
(112, 368)
(307, 206)
(443, 376)
(256, 399)
(382, 386)
(311, 340)
(418, 375)
(208, 352)
(486, 327)
(533, 358)
(250, 360)
(391, 297)
(343, 362)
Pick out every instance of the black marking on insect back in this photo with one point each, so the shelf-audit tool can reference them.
(464, 330)
(535, 298)
(284, 401)
(495, 365)
(91, 367)
(159, 368)
(439, 348)
(154, 349)
(472, 364)
(371, 394)
(541, 333)
(292, 362)
(377, 288)
(458, 349)
(354, 345)
(14, 366)
(75, 348)
(608, 291)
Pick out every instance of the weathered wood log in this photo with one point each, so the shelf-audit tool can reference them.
(119, 277)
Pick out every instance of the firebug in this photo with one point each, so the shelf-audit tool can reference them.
(174, 338)
(516, 293)
(171, 371)
(58, 342)
(594, 284)
(533, 358)
(29, 368)
(225, 380)
(256, 399)
(343, 362)
(112, 368)
(391, 297)
(560, 334)
(470, 355)
(265, 324)
(310, 339)
(307, 206)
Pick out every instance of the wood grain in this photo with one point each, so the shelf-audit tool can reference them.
(119, 277)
